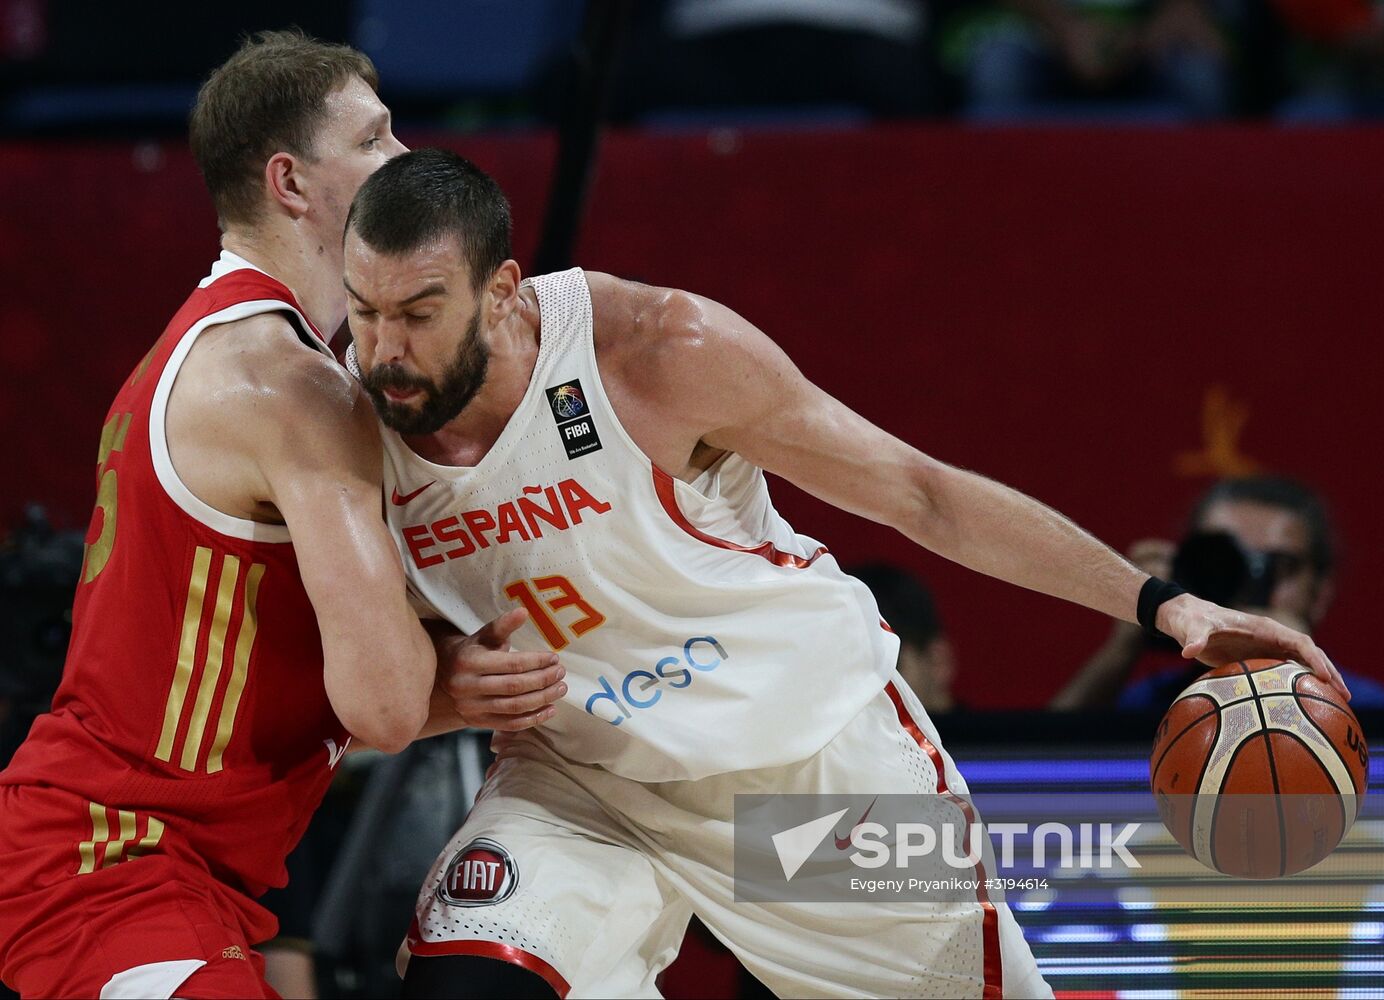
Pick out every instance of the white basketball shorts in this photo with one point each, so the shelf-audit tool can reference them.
(588, 879)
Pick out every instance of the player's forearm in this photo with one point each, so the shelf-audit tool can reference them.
(443, 716)
(1000, 532)
(380, 692)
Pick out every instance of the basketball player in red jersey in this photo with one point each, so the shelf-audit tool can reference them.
(217, 672)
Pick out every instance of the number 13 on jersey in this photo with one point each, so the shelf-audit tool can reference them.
(544, 609)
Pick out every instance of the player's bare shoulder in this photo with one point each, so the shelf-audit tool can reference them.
(252, 396)
(667, 338)
(643, 325)
(258, 371)
(659, 350)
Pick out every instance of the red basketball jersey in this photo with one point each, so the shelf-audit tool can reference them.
(192, 717)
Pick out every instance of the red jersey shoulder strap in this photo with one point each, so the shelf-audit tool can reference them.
(233, 291)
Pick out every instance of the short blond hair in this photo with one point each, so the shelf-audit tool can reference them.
(269, 97)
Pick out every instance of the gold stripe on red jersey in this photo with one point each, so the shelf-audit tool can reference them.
(124, 846)
(100, 831)
(227, 658)
(150, 840)
(115, 850)
(211, 667)
(187, 652)
(245, 643)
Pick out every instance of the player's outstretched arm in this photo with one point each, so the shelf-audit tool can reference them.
(319, 451)
(737, 391)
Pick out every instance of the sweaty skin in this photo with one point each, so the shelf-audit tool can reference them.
(698, 379)
(263, 428)
(272, 431)
(690, 379)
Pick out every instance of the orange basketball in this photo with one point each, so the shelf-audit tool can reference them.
(1258, 768)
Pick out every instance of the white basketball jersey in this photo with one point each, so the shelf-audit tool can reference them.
(699, 632)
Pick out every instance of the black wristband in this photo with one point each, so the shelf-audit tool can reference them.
(1152, 596)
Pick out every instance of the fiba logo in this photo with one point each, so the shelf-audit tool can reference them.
(575, 422)
(479, 874)
(567, 402)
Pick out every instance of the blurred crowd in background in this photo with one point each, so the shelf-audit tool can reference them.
(73, 69)
(81, 70)
(131, 70)
(497, 63)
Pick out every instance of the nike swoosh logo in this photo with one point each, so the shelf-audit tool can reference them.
(844, 842)
(399, 499)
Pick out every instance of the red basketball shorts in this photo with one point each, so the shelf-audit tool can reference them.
(151, 925)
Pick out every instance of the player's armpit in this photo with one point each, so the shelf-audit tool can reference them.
(320, 455)
(738, 391)
(727, 386)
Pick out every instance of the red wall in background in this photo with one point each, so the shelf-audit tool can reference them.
(1075, 313)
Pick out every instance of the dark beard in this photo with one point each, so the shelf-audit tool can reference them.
(441, 403)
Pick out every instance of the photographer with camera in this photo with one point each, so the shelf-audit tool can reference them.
(1256, 543)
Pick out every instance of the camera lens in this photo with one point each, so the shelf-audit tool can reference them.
(1213, 566)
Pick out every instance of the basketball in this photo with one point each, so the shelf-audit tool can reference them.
(1258, 768)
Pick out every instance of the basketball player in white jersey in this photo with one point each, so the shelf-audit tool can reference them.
(590, 449)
